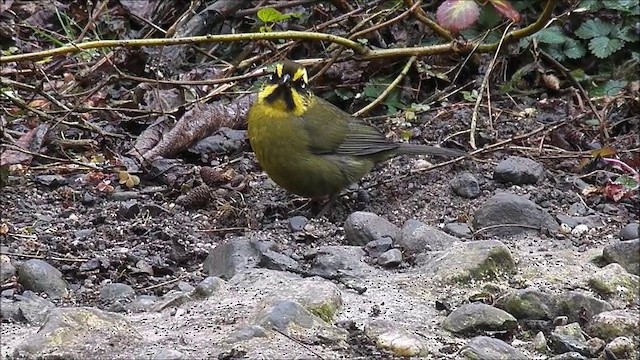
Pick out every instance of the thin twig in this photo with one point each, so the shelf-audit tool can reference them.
(56, 258)
(298, 342)
(17, 148)
(389, 88)
(485, 82)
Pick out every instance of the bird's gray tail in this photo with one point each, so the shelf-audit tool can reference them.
(413, 149)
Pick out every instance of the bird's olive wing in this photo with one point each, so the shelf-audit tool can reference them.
(333, 131)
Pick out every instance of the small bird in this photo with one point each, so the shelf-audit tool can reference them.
(309, 146)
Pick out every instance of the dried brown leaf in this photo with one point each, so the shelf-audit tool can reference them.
(199, 122)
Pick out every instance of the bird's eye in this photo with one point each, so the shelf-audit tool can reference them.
(303, 86)
(272, 77)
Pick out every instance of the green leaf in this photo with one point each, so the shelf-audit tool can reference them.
(552, 35)
(593, 28)
(555, 51)
(602, 46)
(590, 5)
(625, 34)
(573, 49)
(627, 181)
(610, 88)
(271, 15)
(635, 56)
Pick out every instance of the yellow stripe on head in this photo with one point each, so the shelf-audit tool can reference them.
(300, 73)
(279, 69)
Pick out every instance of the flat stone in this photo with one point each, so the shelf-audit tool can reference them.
(505, 209)
(362, 227)
(609, 325)
(518, 170)
(391, 258)
(474, 260)
(484, 347)
(79, 333)
(40, 276)
(478, 317)
(231, 257)
(466, 185)
(416, 237)
(626, 253)
(529, 304)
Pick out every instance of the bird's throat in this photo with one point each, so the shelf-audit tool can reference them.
(284, 99)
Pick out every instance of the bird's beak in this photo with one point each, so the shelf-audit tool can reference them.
(284, 79)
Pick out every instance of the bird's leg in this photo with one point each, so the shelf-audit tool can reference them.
(328, 205)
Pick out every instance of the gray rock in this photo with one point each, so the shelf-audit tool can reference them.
(616, 286)
(575, 305)
(569, 338)
(79, 333)
(362, 227)
(129, 209)
(518, 170)
(245, 333)
(510, 209)
(39, 276)
(167, 354)
(7, 270)
(297, 223)
(475, 260)
(171, 299)
(277, 261)
(114, 297)
(459, 230)
(319, 296)
(124, 195)
(591, 221)
(28, 308)
(486, 348)
(332, 261)
(569, 356)
(478, 317)
(596, 345)
(289, 316)
(232, 257)
(142, 303)
(466, 185)
(625, 253)
(391, 258)
(208, 287)
(609, 325)
(540, 343)
(623, 348)
(395, 338)
(630, 231)
(376, 247)
(281, 313)
(529, 304)
(416, 237)
(184, 287)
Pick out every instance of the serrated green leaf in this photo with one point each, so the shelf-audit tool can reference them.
(625, 34)
(573, 49)
(602, 46)
(593, 28)
(555, 51)
(552, 35)
(610, 88)
(626, 6)
(627, 181)
(589, 5)
(268, 15)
